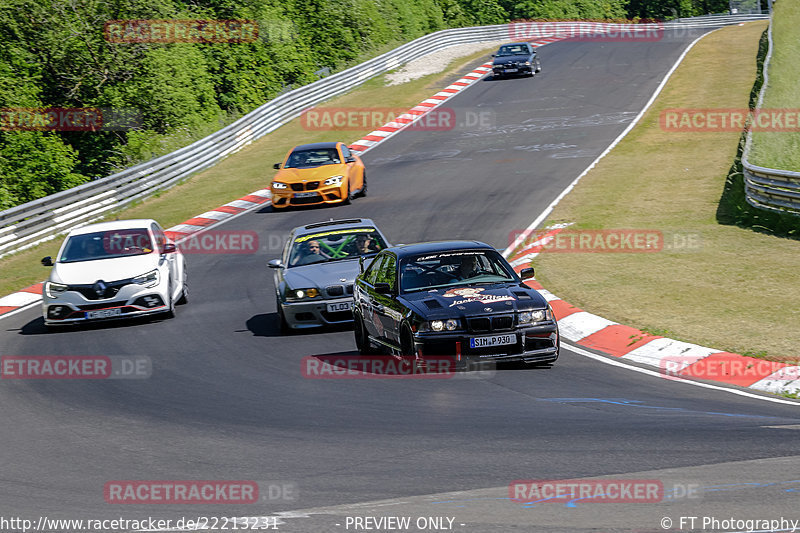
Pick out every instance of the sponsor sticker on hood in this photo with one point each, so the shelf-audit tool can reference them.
(474, 294)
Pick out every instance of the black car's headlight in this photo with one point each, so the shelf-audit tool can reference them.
(535, 315)
(527, 63)
(451, 324)
(150, 279)
(301, 294)
(53, 289)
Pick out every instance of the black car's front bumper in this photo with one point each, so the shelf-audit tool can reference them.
(534, 344)
(516, 70)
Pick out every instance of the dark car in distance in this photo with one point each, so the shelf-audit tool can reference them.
(453, 298)
(516, 58)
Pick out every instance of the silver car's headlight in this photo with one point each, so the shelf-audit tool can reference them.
(53, 289)
(278, 185)
(334, 180)
(301, 294)
(150, 279)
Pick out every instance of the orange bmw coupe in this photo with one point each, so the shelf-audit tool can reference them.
(319, 173)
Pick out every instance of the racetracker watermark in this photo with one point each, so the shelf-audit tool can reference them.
(377, 367)
(604, 241)
(189, 492)
(643, 31)
(588, 490)
(75, 367)
(69, 119)
(221, 242)
(372, 118)
(180, 31)
(730, 120)
(722, 365)
(592, 241)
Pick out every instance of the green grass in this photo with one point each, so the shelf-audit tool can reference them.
(738, 290)
(781, 149)
(248, 170)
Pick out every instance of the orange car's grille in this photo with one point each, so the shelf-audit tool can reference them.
(310, 186)
(297, 186)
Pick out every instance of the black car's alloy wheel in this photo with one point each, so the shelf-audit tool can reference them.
(362, 339)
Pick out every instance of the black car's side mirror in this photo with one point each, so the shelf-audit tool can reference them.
(383, 288)
(276, 166)
(526, 273)
(47, 261)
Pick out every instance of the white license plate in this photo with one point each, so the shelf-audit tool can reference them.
(494, 340)
(511, 70)
(341, 306)
(104, 313)
(305, 194)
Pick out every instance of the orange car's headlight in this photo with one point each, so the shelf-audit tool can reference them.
(334, 180)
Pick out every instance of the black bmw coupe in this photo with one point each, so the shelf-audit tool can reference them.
(454, 298)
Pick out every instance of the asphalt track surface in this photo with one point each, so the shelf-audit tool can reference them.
(226, 399)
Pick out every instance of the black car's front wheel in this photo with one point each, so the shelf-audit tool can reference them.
(407, 345)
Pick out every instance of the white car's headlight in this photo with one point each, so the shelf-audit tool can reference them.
(150, 279)
(53, 289)
(278, 185)
(334, 180)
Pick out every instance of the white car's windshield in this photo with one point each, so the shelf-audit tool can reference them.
(106, 245)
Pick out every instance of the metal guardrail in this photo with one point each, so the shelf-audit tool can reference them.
(29, 224)
(769, 188)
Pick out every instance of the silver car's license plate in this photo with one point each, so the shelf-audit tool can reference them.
(511, 70)
(305, 194)
(494, 340)
(341, 306)
(104, 313)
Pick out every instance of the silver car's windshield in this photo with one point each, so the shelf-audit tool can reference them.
(106, 245)
(335, 245)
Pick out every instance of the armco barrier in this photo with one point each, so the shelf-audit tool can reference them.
(769, 188)
(29, 224)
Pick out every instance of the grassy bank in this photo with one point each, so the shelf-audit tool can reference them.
(249, 169)
(733, 289)
(781, 149)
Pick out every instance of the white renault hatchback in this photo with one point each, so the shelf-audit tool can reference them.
(112, 270)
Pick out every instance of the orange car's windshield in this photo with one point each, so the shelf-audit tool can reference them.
(313, 158)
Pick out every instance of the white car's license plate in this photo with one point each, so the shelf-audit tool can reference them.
(511, 70)
(494, 340)
(104, 313)
(341, 306)
(305, 194)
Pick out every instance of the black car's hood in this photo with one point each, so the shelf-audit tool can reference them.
(467, 300)
(511, 59)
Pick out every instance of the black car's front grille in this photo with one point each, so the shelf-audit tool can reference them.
(479, 325)
(484, 324)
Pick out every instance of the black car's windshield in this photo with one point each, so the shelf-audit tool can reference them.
(107, 245)
(515, 50)
(313, 158)
(462, 267)
(334, 245)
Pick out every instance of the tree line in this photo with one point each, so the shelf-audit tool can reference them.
(154, 97)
